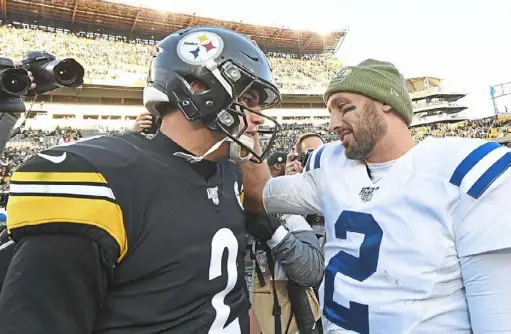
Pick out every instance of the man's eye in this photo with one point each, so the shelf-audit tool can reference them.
(250, 102)
(347, 109)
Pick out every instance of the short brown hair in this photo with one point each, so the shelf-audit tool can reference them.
(305, 136)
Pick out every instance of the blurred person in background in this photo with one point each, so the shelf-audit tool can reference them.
(277, 163)
(143, 121)
(298, 157)
(146, 123)
(308, 141)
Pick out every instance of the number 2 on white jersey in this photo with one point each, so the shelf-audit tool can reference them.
(223, 239)
(355, 317)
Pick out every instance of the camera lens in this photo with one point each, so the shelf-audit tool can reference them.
(14, 82)
(66, 73)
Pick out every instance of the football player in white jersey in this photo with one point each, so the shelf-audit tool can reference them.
(418, 234)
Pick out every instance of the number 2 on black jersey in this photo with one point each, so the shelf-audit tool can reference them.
(356, 317)
(223, 239)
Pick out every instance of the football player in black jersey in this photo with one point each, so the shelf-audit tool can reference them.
(128, 235)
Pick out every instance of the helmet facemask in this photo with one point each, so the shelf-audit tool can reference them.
(232, 120)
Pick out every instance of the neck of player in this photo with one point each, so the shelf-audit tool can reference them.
(393, 145)
(192, 136)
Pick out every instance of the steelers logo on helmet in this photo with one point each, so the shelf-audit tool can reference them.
(198, 47)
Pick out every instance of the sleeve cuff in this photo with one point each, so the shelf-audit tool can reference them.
(277, 237)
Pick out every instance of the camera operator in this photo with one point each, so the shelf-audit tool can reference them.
(301, 151)
(289, 263)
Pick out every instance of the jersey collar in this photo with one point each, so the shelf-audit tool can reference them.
(204, 168)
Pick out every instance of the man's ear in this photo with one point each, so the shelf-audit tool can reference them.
(386, 108)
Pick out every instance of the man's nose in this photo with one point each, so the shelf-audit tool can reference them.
(336, 122)
(332, 125)
(254, 118)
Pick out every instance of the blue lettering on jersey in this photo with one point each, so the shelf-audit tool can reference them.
(356, 317)
(488, 177)
(317, 160)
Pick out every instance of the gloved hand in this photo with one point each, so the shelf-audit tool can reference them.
(261, 226)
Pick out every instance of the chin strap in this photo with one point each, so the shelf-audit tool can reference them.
(193, 159)
(236, 153)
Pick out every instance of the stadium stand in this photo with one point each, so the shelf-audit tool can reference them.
(118, 21)
(111, 62)
(434, 103)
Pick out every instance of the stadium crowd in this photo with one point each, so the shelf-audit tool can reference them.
(126, 62)
(32, 141)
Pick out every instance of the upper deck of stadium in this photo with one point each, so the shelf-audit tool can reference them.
(143, 23)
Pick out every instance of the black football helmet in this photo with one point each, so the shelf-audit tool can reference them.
(229, 64)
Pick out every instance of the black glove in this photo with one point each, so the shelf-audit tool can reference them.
(261, 225)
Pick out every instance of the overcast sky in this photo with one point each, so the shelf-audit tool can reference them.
(468, 43)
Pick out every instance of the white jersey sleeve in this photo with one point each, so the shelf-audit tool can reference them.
(486, 279)
(297, 194)
(483, 221)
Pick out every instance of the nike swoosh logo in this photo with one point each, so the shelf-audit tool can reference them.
(55, 159)
(7, 244)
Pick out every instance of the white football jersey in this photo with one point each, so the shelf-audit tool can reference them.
(393, 248)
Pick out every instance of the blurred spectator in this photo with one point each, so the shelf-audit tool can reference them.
(277, 163)
(143, 122)
(308, 141)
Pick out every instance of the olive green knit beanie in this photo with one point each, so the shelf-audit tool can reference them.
(376, 79)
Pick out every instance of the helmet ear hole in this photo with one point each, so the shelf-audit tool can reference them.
(196, 84)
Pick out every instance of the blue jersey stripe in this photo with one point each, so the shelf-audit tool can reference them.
(471, 160)
(308, 164)
(497, 169)
(317, 160)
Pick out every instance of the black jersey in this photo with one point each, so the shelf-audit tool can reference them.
(174, 240)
